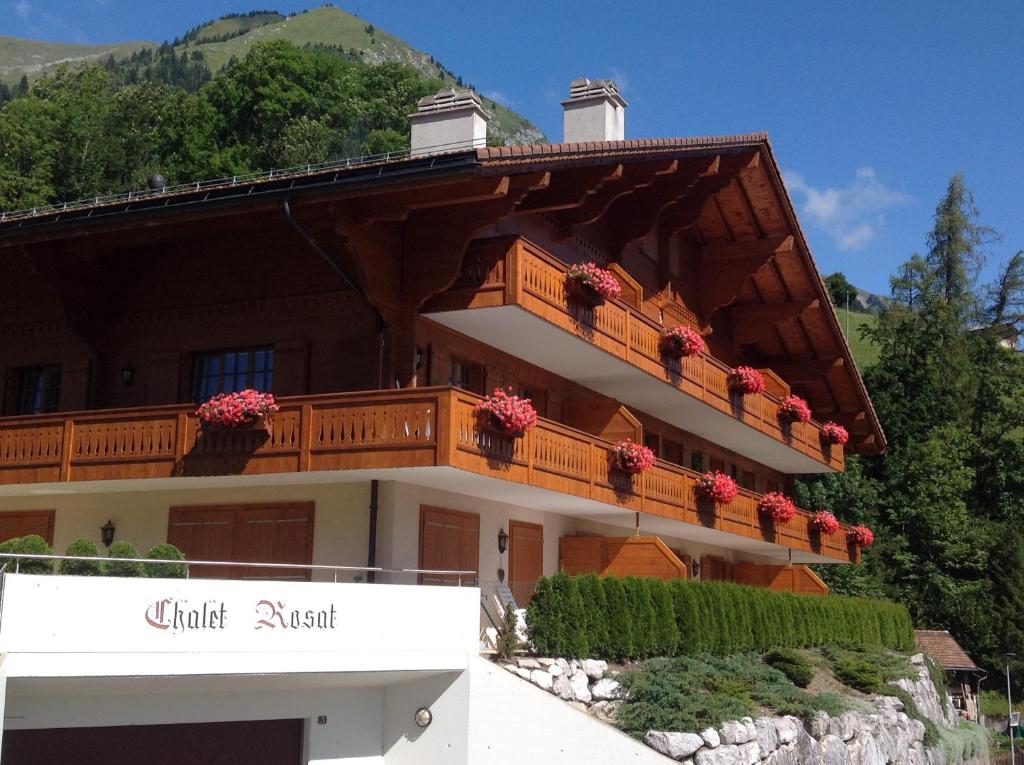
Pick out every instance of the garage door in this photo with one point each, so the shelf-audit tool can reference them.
(266, 742)
(21, 523)
(265, 533)
(449, 541)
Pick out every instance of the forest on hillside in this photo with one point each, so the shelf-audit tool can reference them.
(946, 500)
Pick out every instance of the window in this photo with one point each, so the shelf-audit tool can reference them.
(673, 452)
(747, 480)
(229, 371)
(38, 390)
(697, 461)
(462, 374)
(653, 442)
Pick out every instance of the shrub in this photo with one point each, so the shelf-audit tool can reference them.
(84, 547)
(666, 632)
(857, 673)
(122, 549)
(33, 544)
(792, 664)
(508, 639)
(165, 551)
(687, 607)
(642, 615)
(620, 620)
(555, 618)
(595, 613)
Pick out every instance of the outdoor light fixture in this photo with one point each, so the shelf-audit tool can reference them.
(502, 541)
(423, 717)
(107, 533)
(128, 373)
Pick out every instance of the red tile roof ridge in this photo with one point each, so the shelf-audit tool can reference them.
(490, 153)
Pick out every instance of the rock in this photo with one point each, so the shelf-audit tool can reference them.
(545, 663)
(845, 726)
(711, 737)
(580, 689)
(833, 751)
(561, 687)
(733, 733)
(782, 757)
(789, 728)
(523, 673)
(541, 679)
(579, 706)
(748, 723)
(605, 711)
(527, 663)
(672, 744)
(750, 753)
(723, 755)
(805, 749)
(606, 688)
(819, 725)
(566, 670)
(595, 668)
(766, 735)
(555, 671)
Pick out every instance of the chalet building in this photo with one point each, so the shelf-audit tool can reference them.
(379, 301)
(963, 676)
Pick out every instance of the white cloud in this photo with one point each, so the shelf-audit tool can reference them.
(850, 214)
(500, 96)
(621, 79)
(22, 9)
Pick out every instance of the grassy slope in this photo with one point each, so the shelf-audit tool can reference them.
(864, 353)
(237, 24)
(329, 25)
(34, 57)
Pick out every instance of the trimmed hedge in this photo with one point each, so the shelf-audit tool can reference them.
(123, 549)
(27, 545)
(633, 618)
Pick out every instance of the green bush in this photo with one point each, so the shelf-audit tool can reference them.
(33, 544)
(595, 613)
(666, 633)
(85, 547)
(165, 551)
(556, 619)
(792, 664)
(620, 620)
(641, 615)
(123, 549)
(858, 673)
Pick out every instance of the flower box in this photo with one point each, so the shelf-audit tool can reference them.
(777, 506)
(501, 412)
(678, 342)
(591, 285)
(834, 434)
(717, 487)
(794, 409)
(242, 410)
(744, 380)
(824, 522)
(632, 457)
(860, 535)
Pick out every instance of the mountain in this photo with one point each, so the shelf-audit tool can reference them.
(232, 36)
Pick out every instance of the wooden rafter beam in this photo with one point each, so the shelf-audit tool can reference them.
(633, 176)
(570, 188)
(752, 321)
(685, 212)
(768, 248)
(799, 370)
(398, 206)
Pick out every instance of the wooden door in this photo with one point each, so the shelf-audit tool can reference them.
(525, 559)
(449, 541)
(21, 523)
(264, 533)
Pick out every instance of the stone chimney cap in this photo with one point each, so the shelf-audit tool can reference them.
(583, 89)
(450, 99)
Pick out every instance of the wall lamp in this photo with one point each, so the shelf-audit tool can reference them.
(423, 717)
(502, 541)
(107, 533)
(128, 373)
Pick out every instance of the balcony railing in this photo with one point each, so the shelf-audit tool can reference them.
(417, 427)
(528, 277)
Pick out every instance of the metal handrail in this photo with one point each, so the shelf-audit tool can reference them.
(18, 557)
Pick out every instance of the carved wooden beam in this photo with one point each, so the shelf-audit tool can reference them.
(397, 206)
(570, 188)
(801, 369)
(726, 267)
(633, 176)
(766, 248)
(752, 321)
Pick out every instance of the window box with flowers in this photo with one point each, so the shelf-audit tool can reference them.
(777, 506)
(591, 285)
(861, 536)
(823, 522)
(794, 409)
(678, 342)
(746, 380)
(717, 487)
(501, 412)
(632, 457)
(834, 434)
(243, 410)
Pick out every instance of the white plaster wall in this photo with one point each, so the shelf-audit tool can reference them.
(446, 739)
(340, 530)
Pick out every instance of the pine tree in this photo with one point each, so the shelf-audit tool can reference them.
(666, 633)
(620, 620)
(595, 613)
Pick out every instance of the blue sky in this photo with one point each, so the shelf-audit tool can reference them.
(871, 106)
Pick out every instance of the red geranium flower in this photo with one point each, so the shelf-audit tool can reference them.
(592, 277)
(861, 535)
(746, 380)
(506, 413)
(794, 409)
(230, 410)
(682, 341)
(777, 506)
(824, 522)
(633, 457)
(834, 433)
(718, 487)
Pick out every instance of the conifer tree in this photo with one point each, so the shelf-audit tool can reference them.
(595, 614)
(620, 620)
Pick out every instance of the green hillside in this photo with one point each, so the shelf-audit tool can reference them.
(864, 353)
(34, 58)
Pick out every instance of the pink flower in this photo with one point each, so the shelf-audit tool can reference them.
(592, 277)
(718, 487)
(824, 522)
(746, 380)
(506, 413)
(229, 410)
(834, 433)
(633, 457)
(860, 535)
(777, 506)
(794, 409)
(682, 341)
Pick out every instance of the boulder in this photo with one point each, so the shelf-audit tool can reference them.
(606, 689)
(541, 679)
(562, 688)
(545, 663)
(782, 757)
(672, 744)
(566, 670)
(845, 726)
(605, 711)
(750, 753)
(789, 728)
(595, 668)
(766, 735)
(805, 749)
(580, 686)
(527, 663)
(555, 671)
(728, 754)
(734, 732)
(523, 673)
(711, 737)
(833, 751)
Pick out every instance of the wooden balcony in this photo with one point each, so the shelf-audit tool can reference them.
(499, 284)
(377, 432)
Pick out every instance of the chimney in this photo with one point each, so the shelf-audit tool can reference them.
(594, 112)
(449, 120)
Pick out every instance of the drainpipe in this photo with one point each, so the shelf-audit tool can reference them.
(379, 323)
(371, 552)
